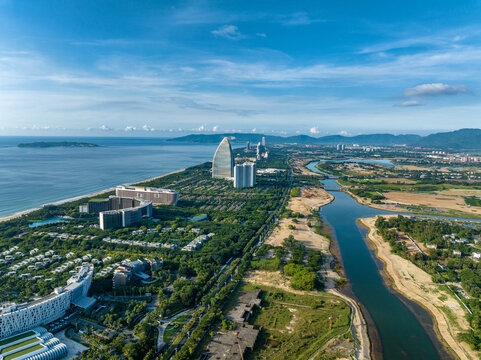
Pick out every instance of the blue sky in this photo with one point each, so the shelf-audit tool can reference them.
(153, 68)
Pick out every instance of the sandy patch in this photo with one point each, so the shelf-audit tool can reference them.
(417, 285)
(398, 180)
(430, 200)
(311, 198)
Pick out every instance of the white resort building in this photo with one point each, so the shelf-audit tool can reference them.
(17, 318)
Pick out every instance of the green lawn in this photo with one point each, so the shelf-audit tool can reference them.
(23, 352)
(19, 345)
(16, 338)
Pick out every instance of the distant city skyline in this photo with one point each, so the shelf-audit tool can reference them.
(118, 68)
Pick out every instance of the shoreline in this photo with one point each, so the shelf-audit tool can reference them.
(416, 286)
(315, 200)
(75, 198)
(394, 210)
(372, 338)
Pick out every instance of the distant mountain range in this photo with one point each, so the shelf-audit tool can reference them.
(464, 139)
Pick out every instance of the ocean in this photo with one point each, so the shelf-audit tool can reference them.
(32, 177)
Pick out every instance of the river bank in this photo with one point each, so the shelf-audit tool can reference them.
(416, 285)
(311, 199)
(91, 195)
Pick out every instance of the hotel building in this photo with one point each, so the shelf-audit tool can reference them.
(16, 318)
(245, 175)
(157, 196)
(223, 162)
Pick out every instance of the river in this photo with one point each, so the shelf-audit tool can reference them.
(399, 332)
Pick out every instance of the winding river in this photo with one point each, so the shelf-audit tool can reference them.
(400, 333)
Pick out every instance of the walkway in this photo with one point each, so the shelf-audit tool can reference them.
(165, 323)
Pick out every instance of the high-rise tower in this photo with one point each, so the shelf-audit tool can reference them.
(223, 162)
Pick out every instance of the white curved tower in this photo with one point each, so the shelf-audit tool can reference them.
(223, 162)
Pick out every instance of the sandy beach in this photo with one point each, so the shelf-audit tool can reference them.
(60, 202)
(312, 198)
(417, 285)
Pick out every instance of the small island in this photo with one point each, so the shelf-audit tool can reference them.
(43, 144)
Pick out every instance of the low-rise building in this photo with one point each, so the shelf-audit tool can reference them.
(234, 344)
(155, 195)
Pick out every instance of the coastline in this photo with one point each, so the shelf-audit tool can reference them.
(416, 285)
(64, 201)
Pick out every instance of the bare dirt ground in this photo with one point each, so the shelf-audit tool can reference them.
(417, 285)
(357, 169)
(432, 200)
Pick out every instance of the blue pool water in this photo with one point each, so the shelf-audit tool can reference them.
(50, 221)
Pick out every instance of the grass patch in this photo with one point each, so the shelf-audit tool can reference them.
(274, 316)
(309, 323)
(443, 297)
(472, 201)
(451, 317)
(24, 352)
(19, 345)
(266, 264)
(16, 338)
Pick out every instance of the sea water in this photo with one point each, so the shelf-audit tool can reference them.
(32, 177)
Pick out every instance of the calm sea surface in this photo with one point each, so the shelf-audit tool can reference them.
(32, 177)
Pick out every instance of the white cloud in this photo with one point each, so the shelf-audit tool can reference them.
(254, 130)
(435, 89)
(201, 128)
(314, 130)
(105, 128)
(261, 35)
(409, 103)
(147, 128)
(215, 128)
(299, 18)
(130, 128)
(229, 32)
(343, 133)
